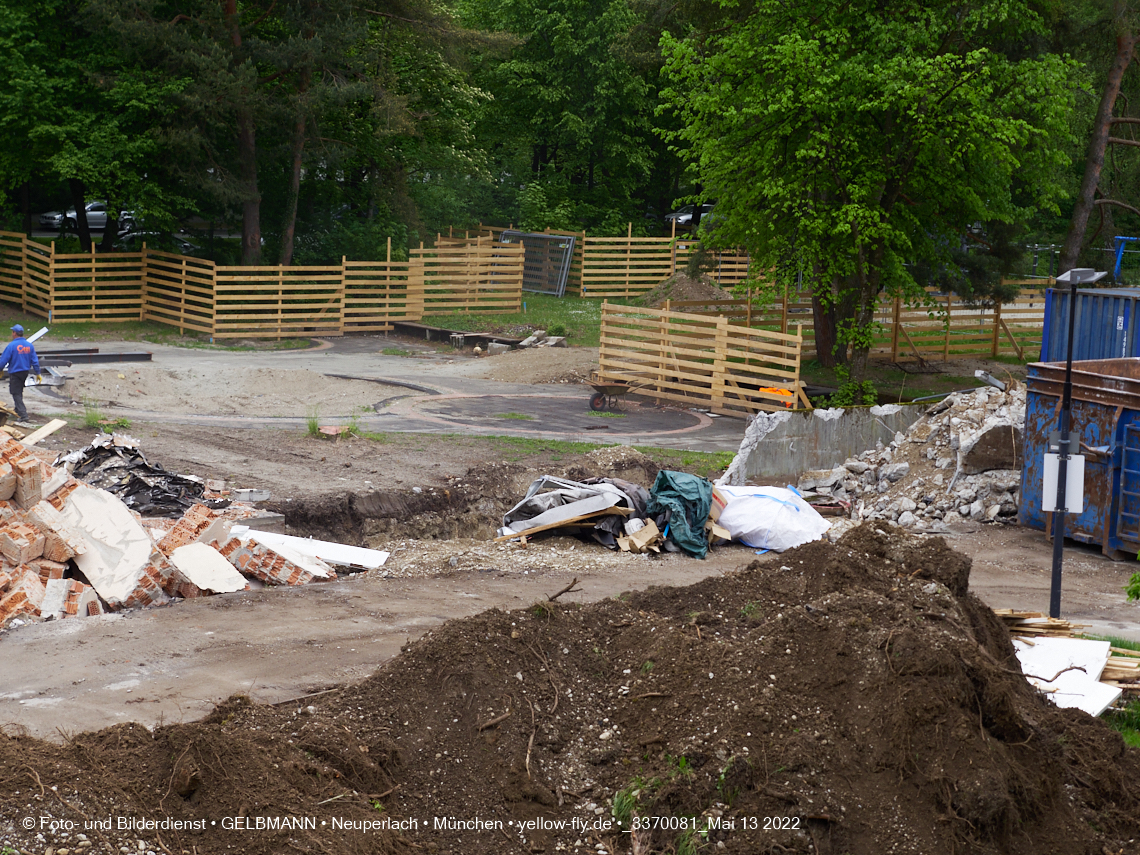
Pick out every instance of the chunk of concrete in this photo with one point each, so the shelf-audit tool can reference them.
(894, 471)
(7, 481)
(339, 554)
(208, 569)
(55, 597)
(495, 348)
(555, 341)
(998, 447)
(118, 550)
(533, 339)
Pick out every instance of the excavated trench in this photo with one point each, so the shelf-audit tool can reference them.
(469, 506)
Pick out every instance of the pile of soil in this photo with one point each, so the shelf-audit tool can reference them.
(846, 698)
(682, 286)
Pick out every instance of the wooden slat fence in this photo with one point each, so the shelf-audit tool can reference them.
(100, 287)
(277, 302)
(12, 267)
(485, 276)
(700, 361)
(469, 273)
(179, 291)
(947, 328)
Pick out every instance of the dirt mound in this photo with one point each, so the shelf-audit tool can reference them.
(845, 698)
(682, 286)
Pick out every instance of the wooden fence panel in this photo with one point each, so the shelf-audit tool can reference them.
(278, 302)
(377, 292)
(88, 286)
(699, 361)
(485, 277)
(38, 272)
(12, 267)
(179, 291)
(626, 266)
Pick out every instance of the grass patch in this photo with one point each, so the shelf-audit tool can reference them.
(394, 351)
(313, 421)
(1116, 641)
(522, 417)
(605, 414)
(1127, 722)
(707, 464)
(579, 318)
(92, 415)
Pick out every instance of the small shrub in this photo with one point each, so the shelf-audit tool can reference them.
(313, 421)
(556, 329)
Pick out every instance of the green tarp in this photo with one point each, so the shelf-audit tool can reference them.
(688, 499)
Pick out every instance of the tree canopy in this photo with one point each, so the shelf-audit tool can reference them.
(847, 143)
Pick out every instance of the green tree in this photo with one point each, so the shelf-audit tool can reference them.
(74, 111)
(571, 112)
(849, 142)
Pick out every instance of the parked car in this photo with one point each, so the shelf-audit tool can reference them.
(132, 241)
(683, 217)
(96, 218)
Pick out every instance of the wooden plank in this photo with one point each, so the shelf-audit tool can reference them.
(44, 431)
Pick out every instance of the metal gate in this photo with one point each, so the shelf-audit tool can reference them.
(546, 262)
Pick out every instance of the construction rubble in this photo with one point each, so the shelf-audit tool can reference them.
(70, 549)
(960, 461)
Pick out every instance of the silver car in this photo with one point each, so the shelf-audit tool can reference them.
(96, 218)
(684, 216)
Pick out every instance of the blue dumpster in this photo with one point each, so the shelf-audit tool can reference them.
(1105, 325)
(1106, 422)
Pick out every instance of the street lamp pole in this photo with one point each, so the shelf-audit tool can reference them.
(1074, 278)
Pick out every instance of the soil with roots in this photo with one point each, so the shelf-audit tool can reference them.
(847, 698)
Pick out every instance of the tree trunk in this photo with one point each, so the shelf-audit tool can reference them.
(78, 192)
(823, 318)
(26, 206)
(247, 159)
(251, 206)
(290, 227)
(110, 232)
(1094, 160)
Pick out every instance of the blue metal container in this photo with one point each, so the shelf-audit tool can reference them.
(1106, 423)
(1106, 324)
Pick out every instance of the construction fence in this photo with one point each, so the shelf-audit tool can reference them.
(469, 273)
(701, 361)
(944, 327)
(269, 301)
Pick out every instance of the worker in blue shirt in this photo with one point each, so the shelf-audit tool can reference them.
(20, 359)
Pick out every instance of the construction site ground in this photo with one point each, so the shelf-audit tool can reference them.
(451, 442)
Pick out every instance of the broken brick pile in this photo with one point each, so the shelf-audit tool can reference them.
(68, 549)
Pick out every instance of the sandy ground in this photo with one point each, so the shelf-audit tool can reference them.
(236, 391)
(538, 365)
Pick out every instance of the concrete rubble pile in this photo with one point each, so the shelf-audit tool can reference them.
(960, 461)
(68, 549)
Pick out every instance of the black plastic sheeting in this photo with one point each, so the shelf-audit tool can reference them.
(123, 470)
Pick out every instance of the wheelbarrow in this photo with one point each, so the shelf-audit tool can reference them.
(607, 392)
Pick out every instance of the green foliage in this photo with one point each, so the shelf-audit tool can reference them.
(848, 142)
(605, 414)
(852, 393)
(522, 417)
(558, 329)
(313, 421)
(1132, 589)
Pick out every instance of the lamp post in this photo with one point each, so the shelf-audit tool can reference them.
(1074, 278)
